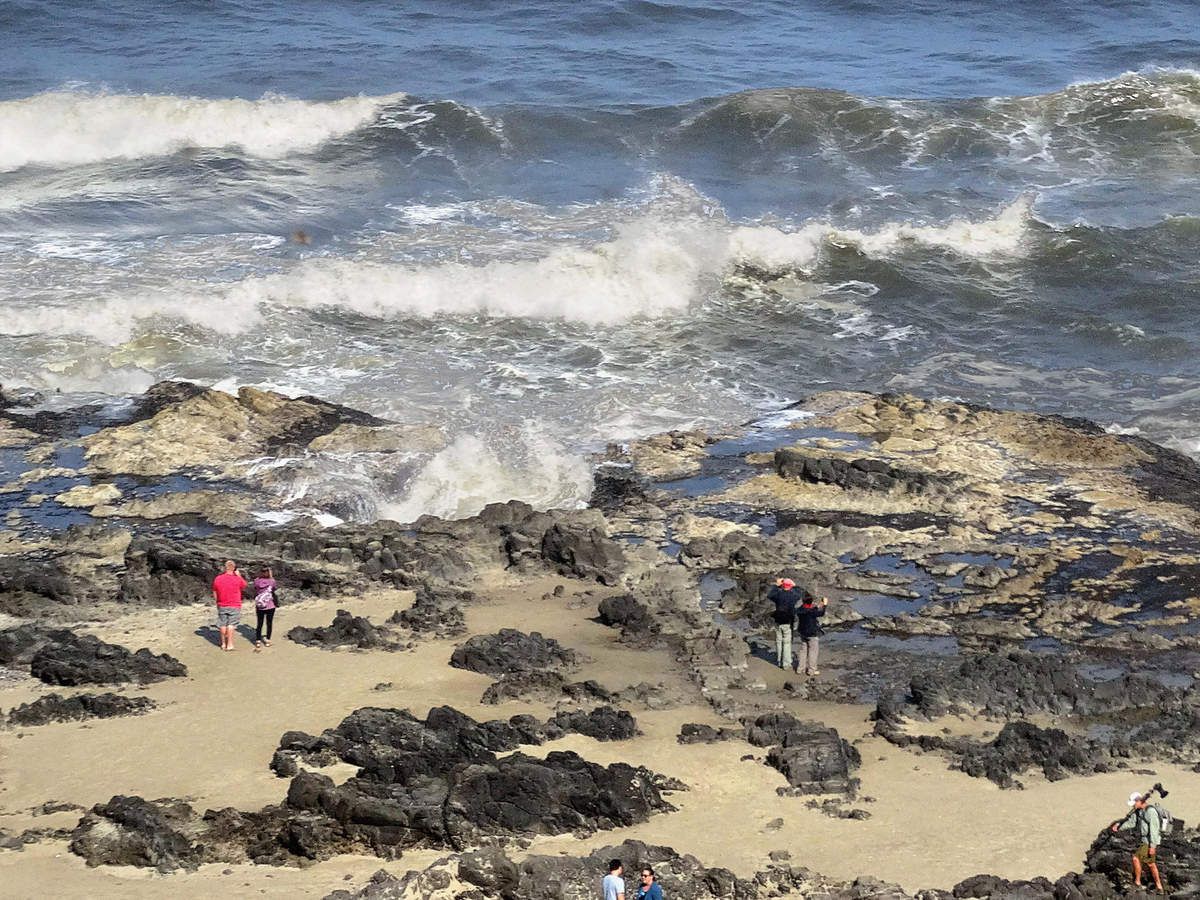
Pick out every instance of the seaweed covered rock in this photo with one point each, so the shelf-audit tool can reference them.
(57, 708)
(510, 650)
(73, 659)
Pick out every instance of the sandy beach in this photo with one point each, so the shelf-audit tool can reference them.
(212, 735)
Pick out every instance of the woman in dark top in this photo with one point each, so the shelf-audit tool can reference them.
(810, 630)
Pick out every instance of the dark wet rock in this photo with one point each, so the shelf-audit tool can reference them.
(492, 874)
(436, 612)
(615, 487)
(131, 831)
(1021, 746)
(284, 764)
(57, 708)
(857, 474)
(604, 723)
(74, 659)
(510, 650)
(836, 809)
(525, 685)
(158, 567)
(19, 644)
(349, 631)
(692, 733)
(583, 549)
(436, 782)
(626, 612)
(814, 759)
(1020, 683)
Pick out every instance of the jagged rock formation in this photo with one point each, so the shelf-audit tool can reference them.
(431, 783)
(509, 651)
(349, 631)
(59, 656)
(57, 708)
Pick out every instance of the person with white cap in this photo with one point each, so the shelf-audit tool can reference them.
(1146, 818)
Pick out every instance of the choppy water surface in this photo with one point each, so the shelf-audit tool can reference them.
(544, 226)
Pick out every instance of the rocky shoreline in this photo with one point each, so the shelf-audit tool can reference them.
(1028, 580)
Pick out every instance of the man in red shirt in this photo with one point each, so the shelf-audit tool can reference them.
(227, 590)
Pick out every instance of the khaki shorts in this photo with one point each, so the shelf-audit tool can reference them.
(228, 616)
(1144, 857)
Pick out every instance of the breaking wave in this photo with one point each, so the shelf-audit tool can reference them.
(652, 267)
(66, 128)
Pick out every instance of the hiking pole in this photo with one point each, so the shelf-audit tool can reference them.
(1108, 832)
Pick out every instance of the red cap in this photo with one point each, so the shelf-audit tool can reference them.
(787, 584)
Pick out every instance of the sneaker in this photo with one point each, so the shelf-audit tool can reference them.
(815, 672)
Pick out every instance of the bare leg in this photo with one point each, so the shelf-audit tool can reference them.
(1137, 871)
(1154, 872)
(224, 637)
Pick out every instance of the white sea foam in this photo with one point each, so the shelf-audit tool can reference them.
(654, 265)
(65, 128)
(470, 473)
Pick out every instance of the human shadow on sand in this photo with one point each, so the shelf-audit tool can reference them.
(213, 635)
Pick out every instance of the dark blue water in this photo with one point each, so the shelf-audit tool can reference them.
(541, 226)
(591, 54)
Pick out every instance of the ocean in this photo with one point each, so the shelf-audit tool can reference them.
(546, 226)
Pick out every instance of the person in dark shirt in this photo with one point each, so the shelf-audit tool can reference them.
(810, 630)
(785, 597)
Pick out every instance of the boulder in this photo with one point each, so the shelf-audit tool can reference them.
(813, 758)
(131, 831)
(604, 723)
(510, 650)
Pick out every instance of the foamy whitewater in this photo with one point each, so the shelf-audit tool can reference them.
(540, 243)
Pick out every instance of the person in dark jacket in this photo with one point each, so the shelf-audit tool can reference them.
(810, 630)
(785, 597)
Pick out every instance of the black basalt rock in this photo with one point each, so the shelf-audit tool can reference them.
(510, 650)
(57, 708)
(73, 659)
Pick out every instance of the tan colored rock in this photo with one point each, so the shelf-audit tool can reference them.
(83, 496)
(385, 439)
(211, 431)
(218, 507)
(12, 436)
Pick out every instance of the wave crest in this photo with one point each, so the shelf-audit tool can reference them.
(66, 128)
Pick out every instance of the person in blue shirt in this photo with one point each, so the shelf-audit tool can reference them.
(648, 889)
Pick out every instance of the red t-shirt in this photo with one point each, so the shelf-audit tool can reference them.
(228, 589)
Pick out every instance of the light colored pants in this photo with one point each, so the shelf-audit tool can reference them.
(812, 649)
(783, 645)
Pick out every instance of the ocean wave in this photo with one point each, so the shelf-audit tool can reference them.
(67, 128)
(654, 265)
(1152, 114)
(473, 472)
